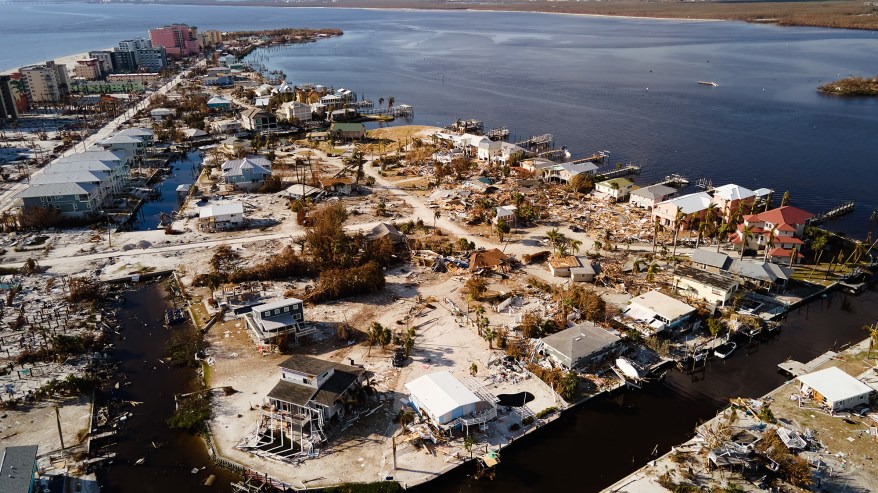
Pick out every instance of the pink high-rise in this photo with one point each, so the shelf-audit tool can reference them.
(177, 39)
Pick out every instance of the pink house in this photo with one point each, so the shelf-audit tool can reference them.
(177, 39)
(785, 225)
(693, 207)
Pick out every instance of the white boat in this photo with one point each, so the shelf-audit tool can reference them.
(708, 83)
(628, 369)
(725, 350)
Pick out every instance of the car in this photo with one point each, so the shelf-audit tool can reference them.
(398, 359)
(576, 229)
(725, 350)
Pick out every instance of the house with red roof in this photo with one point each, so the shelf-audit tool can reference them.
(780, 230)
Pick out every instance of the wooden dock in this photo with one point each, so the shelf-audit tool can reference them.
(403, 110)
(839, 211)
(795, 368)
(628, 169)
(535, 142)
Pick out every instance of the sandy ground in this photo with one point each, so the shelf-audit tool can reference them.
(363, 451)
(37, 425)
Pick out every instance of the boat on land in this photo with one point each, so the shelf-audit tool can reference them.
(708, 83)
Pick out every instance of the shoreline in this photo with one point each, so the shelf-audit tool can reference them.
(68, 60)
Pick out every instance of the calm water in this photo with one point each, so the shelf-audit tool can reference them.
(625, 85)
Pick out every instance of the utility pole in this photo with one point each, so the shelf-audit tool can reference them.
(58, 420)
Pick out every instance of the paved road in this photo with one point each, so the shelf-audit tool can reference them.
(7, 197)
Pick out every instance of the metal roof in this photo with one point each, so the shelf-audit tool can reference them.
(255, 164)
(662, 304)
(17, 468)
(221, 210)
(56, 189)
(441, 393)
(271, 305)
(654, 191)
(69, 177)
(835, 385)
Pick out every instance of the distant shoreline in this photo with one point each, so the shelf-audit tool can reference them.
(832, 14)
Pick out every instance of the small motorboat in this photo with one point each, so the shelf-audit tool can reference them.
(725, 350)
(708, 83)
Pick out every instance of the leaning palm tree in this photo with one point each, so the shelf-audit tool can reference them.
(785, 200)
(794, 253)
(769, 241)
(873, 336)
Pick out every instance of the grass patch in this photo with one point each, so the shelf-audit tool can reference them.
(191, 414)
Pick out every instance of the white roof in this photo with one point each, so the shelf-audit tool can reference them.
(218, 100)
(733, 192)
(441, 393)
(662, 304)
(834, 384)
(161, 112)
(692, 203)
(221, 210)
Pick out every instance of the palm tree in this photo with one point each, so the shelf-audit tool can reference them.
(873, 336)
(678, 224)
(380, 102)
(702, 228)
(390, 102)
(479, 311)
(721, 232)
(554, 237)
(574, 246)
(406, 416)
(608, 240)
(794, 253)
(785, 200)
(436, 215)
(650, 271)
(745, 236)
(769, 242)
(818, 244)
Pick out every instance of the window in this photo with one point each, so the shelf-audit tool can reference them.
(297, 316)
(286, 309)
(276, 311)
(266, 314)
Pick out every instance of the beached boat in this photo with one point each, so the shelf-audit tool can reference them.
(628, 369)
(708, 83)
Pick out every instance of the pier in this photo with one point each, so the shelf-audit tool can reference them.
(839, 211)
(537, 142)
(403, 110)
(628, 169)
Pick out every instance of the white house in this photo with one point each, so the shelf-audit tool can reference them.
(506, 213)
(564, 172)
(648, 197)
(447, 402)
(489, 150)
(709, 286)
(616, 189)
(294, 110)
(657, 312)
(835, 389)
(221, 217)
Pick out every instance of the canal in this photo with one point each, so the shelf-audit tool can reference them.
(169, 456)
(597, 444)
(183, 171)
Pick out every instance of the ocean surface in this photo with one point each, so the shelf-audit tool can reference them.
(619, 84)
